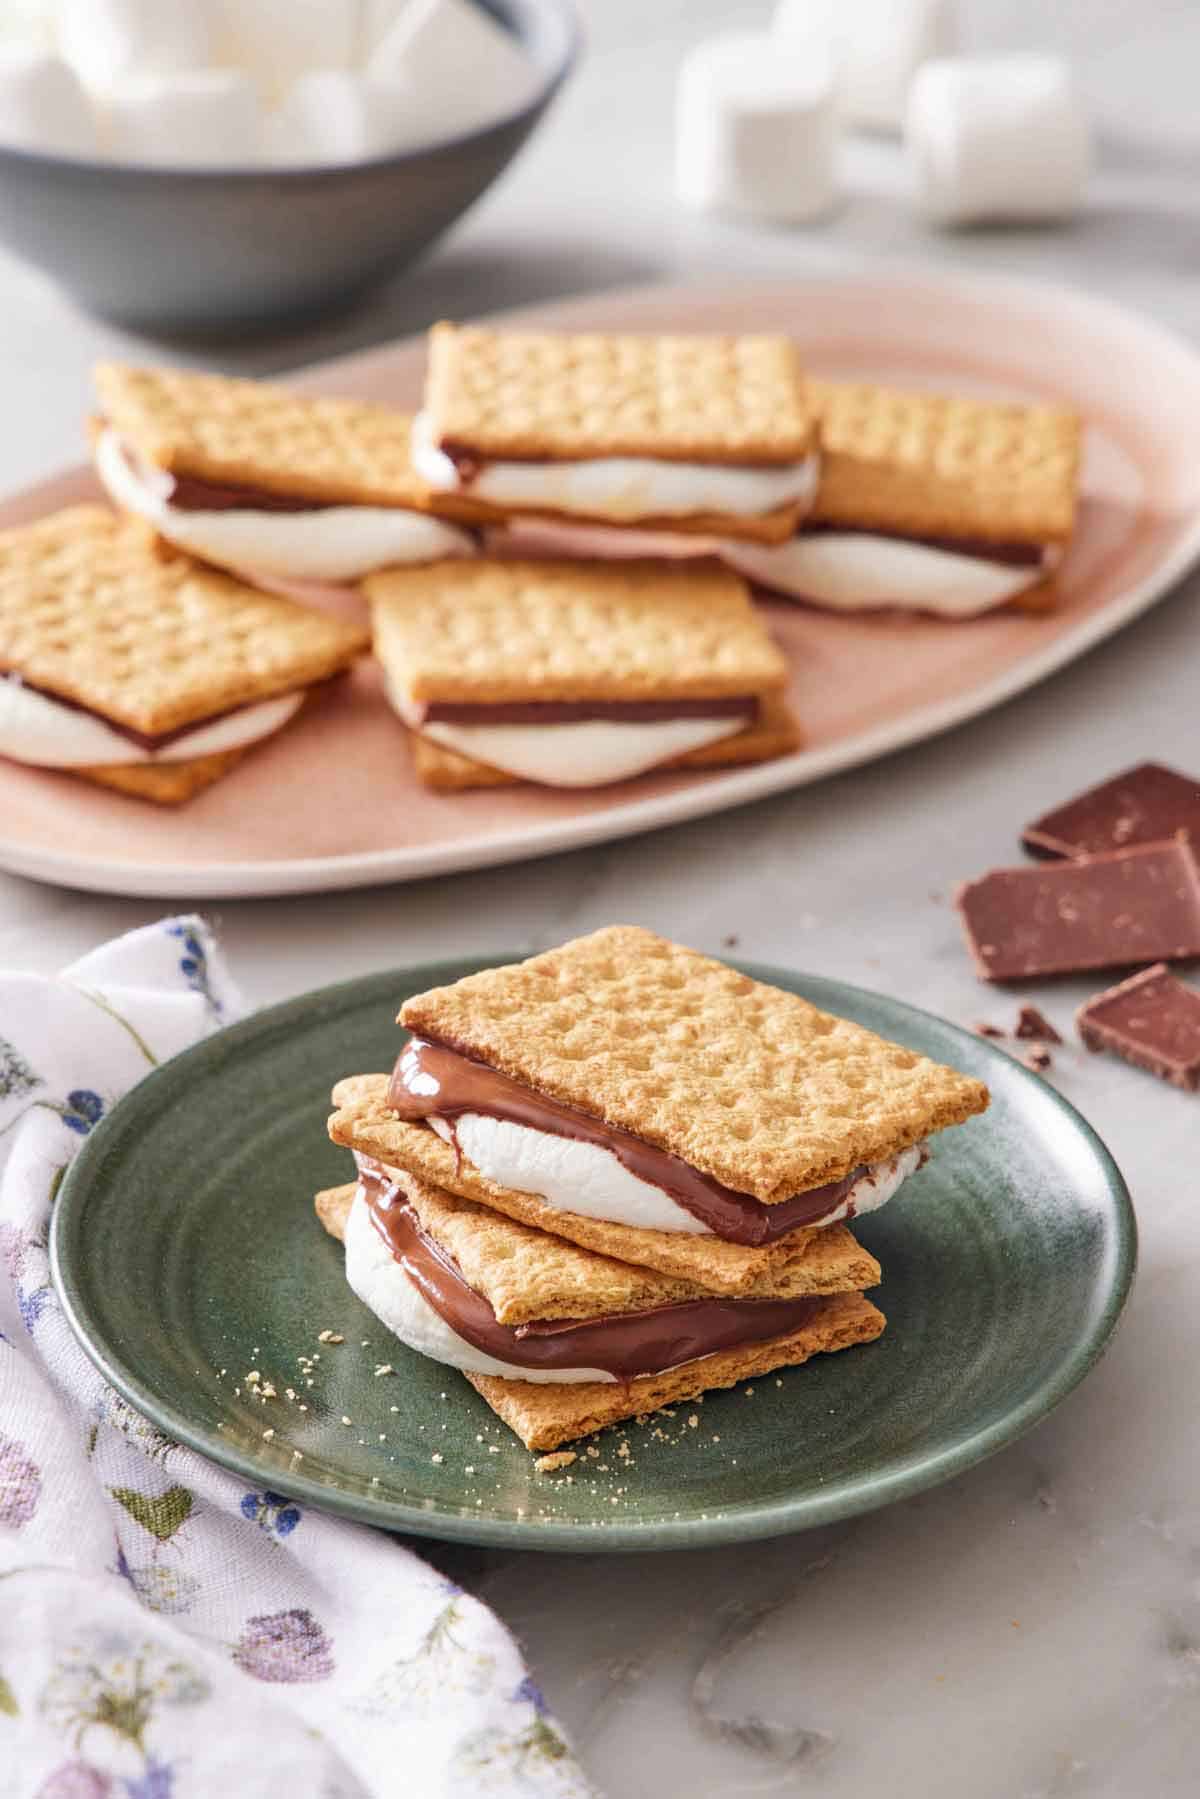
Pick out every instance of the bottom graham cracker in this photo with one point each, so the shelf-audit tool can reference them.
(165, 783)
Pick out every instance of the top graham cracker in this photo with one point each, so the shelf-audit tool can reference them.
(747, 1083)
(556, 397)
(487, 630)
(256, 435)
(92, 612)
(932, 465)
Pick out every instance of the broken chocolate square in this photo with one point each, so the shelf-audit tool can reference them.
(1108, 911)
(1151, 1020)
(1146, 804)
(1035, 1026)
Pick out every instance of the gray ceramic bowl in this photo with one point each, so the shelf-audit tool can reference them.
(220, 251)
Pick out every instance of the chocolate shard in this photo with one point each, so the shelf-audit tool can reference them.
(1151, 1020)
(1038, 1059)
(1108, 911)
(1145, 804)
(1035, 1027)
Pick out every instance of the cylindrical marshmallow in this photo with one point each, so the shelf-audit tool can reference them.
(878, 44)
(997, 138)
(278, 41)
(461, 68)
(332, 116)
(106, 40)
(43, 106)
(209, 119)
(756, 128)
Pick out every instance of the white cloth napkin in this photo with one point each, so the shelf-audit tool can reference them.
(166, 1632)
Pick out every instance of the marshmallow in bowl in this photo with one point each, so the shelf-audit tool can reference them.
(756, 128)
(278, 41)
(206, 119)
(107, 40)
(997, 138)
(459, 67)
(879, 45)
(43, 105)
(336, 116)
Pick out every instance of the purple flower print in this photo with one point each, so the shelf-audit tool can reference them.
(274, 1513)
(531, 1693)
(12, 1250)
(193, 964)
(284, 1647)
(20, 1483)
(156, 1783)
(83, 1109)
(76, 1780)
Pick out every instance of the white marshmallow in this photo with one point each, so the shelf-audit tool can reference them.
(879, 45)
(376, 18)
(756, 128)
(1000, 138)
(208, 119)
(463, 70)
(277, 41)
(854, 571)
(43, 106)
(28, 23)
(44, 733)
(332, 116)
(593, 752)
(107, 40)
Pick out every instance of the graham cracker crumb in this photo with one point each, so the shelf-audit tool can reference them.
(562, 1458)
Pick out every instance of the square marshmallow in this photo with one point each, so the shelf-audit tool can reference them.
(278, 41)
(43, 106)
(463, 69)
(107, 40)
(210, 119)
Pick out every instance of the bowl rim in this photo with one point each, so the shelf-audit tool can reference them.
(101, 168)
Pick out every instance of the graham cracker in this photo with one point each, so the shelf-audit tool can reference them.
(753, 1086)
(92, 611)
(551, 396)
(165, 783)
(776, 732)
(774, 527)
(491, 629)
(545, 1416)
(257, 435)
(934, 465)
(805, 1261)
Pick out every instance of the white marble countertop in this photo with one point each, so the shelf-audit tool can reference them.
(1033, 1629)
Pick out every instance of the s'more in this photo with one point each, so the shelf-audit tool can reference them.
(577, 674)
(715, 435)
(146, 671)
(254, 477)
(675, 1147)
(930, 503)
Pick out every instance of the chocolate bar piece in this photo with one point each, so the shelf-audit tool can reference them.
(1151, 1020)
(1109, 911)
(1146, 804)
(1035, 1026)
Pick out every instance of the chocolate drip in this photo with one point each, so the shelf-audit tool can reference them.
(565, 712)
(433, 1079)
(623, 1344)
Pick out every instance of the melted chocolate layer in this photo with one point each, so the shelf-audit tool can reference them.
(432, 1079)
(145, 740)
(190, 494)
(1011, 555)
(566, 712)
(624, 1344)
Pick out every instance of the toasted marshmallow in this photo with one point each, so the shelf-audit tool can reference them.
(331, 543)
(380, 1282)
(619, 487)
(581, 1177)
(45, 733)
(856, 571)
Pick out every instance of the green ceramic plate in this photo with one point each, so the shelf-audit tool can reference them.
(184, 1244)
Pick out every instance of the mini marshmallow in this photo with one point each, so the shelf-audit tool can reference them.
(28, 23)
(878, 44)
(207, 119)
(278, 41)
(43, 106)
(756, 128)
(332, 116)
(107, 40)
(1000, 138)
(463, 70)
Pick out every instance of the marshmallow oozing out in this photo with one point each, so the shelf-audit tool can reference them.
(878, 45)
(331, 543)
(379, 1280)
(999, 138)
(210, 118)
(44, 733)
(43, 105)
(756, 128)
(581, 1177)
(619, 487)
(856, 571)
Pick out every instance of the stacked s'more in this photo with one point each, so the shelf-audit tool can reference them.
(619, 1174)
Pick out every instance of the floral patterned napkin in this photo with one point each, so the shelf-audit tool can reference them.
(165, 1634)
